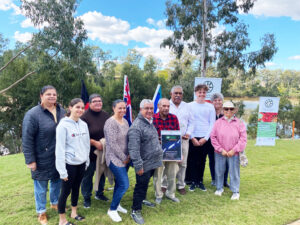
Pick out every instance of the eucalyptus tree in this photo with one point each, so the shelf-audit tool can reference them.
(196, 25)
(60, 34)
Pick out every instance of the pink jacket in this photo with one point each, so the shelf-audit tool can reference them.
(229, 135)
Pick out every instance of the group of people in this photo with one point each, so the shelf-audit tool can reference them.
(67, 148)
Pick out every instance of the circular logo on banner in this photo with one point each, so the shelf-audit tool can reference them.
(269, 103)
(210, 86)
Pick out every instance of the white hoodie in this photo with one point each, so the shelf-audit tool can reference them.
(72, 145)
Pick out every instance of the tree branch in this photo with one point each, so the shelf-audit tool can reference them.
(9, 87)
(13, 58)
(26, 75)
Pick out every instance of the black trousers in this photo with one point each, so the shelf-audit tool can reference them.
(140, 189)
(75, 175)
(196, 161)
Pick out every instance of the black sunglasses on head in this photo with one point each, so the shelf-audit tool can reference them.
(226, 109)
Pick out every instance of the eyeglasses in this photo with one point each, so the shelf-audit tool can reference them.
(226, 109)
(148, 108)
(96, 101)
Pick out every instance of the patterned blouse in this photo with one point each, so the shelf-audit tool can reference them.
(116, 142)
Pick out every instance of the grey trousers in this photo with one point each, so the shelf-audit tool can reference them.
(169, 169)
(234, 171)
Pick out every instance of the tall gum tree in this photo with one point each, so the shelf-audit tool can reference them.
(194, 23)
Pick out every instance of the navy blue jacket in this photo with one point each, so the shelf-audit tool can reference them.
(38, 141)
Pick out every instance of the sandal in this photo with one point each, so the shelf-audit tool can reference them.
(69, 223)
(79, 218)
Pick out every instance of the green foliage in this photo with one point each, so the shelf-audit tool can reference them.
(285, 117)
(187, 20)
(252, 124)
(61, 31)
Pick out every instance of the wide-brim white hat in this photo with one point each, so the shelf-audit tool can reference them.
(228, 104)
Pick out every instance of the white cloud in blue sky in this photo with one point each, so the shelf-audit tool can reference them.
(277, 8)
(295, 57)
(23, 37)
(144, 29)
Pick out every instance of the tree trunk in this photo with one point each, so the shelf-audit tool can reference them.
(203, 46)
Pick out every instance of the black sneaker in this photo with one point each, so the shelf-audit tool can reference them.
(226, 185)
(87, 203)
(192, 187)
(136, 215)
(201, 186)
(149, 204)
(101, 197)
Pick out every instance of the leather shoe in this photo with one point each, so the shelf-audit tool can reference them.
(182, 191)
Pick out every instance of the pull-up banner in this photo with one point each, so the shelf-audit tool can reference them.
(214, 85)
(267, 120)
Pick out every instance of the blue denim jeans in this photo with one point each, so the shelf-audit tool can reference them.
(234, 171)
(87, 182)
(40, 193)
(121, 184)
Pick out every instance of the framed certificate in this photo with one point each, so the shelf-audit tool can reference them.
(171, 145)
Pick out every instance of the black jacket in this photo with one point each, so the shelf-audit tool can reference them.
(38, 141)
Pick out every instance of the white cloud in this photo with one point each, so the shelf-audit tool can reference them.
(27, 23)
(159, 24)
(277, 8)
(295, 57)
(23, 37)
(111, 30)
(107, 29)
(8, 4)
(270, 64)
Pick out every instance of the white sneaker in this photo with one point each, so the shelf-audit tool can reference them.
(121, 209)
(235, 196)
(114, 215)
(219, 192)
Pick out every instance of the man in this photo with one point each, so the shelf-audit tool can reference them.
(163, 120)
(204, 117)
(146, 155)
(184, 116)
(95, 118)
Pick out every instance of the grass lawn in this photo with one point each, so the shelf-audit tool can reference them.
(270, 194)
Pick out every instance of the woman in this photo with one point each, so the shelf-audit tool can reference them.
(38, 143)
(229, 137)
(217, 101)
(115, 133)
(204, 117)
(72, 157)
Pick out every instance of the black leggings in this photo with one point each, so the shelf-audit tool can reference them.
(75, 175)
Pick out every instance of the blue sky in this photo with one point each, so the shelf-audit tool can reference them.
(118, 25)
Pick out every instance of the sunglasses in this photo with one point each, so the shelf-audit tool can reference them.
(226, 109)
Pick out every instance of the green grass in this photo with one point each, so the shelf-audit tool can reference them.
(270, 194)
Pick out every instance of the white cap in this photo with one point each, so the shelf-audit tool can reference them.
(228, 104)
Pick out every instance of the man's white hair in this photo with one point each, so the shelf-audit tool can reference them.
(176, 87)
(145, 101)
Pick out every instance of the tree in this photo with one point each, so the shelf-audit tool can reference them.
(193, 23)
(61, 34)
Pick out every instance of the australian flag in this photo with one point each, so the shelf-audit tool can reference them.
(127, 99)
(156, 97)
